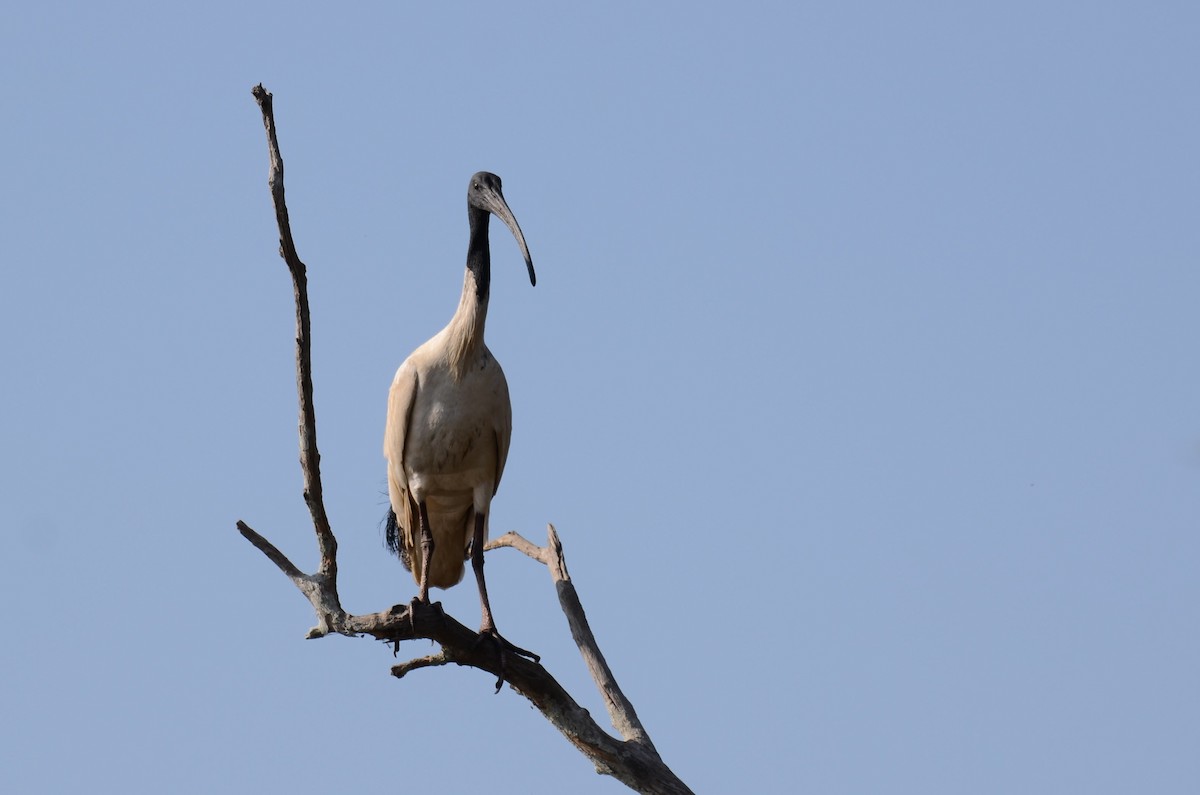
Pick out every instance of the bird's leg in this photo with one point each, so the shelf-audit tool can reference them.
(426, 544)
(426, 552)
(487, 627)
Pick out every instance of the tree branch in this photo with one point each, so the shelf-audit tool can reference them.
(620, 710)
(518, 542)
(310, 458)
(633, 761)
(400, 670)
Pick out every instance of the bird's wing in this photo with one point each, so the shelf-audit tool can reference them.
(502, 424)
(401, 398)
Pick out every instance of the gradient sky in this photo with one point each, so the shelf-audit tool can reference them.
(860, 380)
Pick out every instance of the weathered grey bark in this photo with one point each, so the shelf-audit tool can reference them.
(633, 760)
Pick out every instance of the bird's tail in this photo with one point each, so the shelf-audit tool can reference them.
(393, 537)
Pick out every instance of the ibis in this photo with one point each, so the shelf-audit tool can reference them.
(449, 422)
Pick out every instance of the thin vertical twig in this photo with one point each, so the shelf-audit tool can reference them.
(310, 457)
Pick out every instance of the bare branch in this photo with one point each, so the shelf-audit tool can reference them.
(316, 587)
(518, 542)
(400, 670)
(633, 761)
(310, 458)
(270, 550)
(620, 709)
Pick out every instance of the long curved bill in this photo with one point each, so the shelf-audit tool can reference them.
(499, 207)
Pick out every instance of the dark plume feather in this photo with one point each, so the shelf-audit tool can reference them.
(393, 540)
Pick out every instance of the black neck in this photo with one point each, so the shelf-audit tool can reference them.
(479, 253)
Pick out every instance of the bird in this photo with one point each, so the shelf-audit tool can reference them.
(449, 424)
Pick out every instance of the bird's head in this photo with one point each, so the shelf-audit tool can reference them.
(484, 193)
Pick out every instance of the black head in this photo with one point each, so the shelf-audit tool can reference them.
(484, 193)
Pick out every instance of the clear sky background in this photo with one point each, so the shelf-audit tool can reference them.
(860, 381)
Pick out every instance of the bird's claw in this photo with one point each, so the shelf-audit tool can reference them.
(503, 646)
(412, 616)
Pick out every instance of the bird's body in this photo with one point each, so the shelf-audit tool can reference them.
(447, 437)
(449, 423)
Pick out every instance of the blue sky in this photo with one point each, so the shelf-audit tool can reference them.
(859, 380)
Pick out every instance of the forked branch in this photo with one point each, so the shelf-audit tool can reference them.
(620, 710)
(632, 760)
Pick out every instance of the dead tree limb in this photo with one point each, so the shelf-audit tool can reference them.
(620, 710)
(632, 760)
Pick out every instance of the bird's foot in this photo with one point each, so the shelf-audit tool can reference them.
(503, 647)
(412, 606)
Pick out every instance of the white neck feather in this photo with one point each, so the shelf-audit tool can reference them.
(466, 328)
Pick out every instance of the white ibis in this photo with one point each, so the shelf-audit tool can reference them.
(449, 422)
